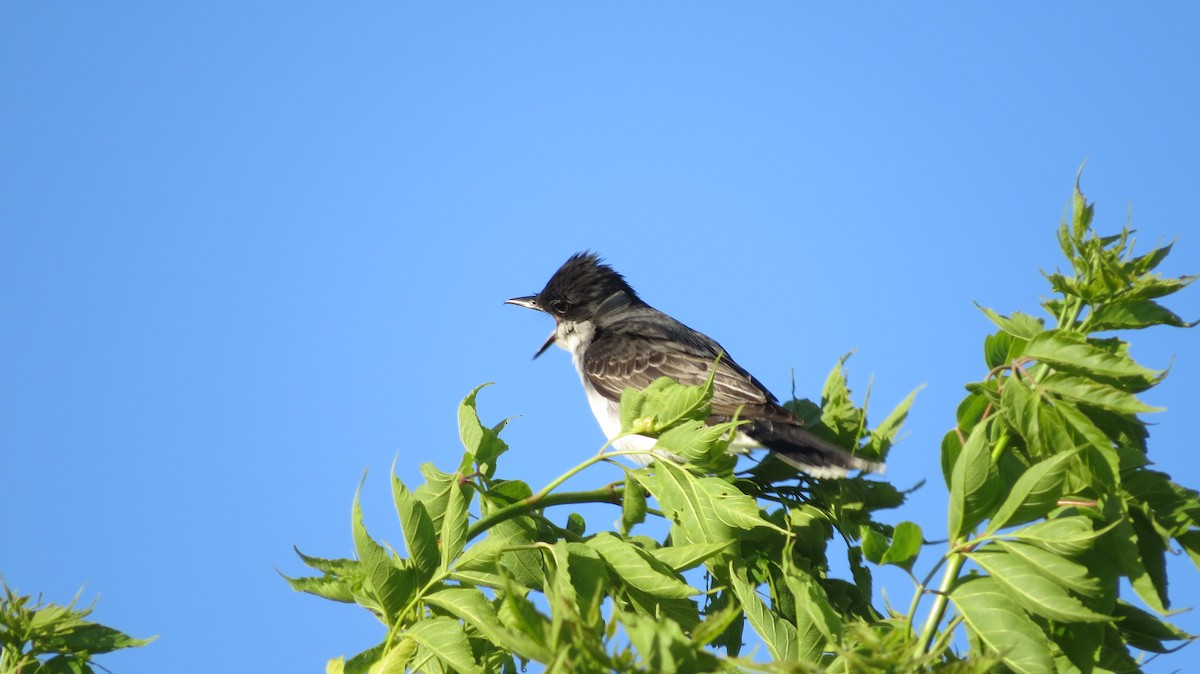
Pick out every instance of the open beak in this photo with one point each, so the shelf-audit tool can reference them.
(530, 302)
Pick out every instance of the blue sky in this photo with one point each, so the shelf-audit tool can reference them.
(248, 251)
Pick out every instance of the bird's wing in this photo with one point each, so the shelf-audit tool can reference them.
(636, 355)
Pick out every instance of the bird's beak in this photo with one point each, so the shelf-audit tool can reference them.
(529, 302)
(549, 341)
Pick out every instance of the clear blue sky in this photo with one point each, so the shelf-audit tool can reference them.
(248, 250)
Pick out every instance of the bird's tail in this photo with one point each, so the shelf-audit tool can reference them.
(810, 453)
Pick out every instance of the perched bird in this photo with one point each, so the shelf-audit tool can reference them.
(617, 340)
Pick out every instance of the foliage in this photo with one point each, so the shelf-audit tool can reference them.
(1054, 513)
(53, 639)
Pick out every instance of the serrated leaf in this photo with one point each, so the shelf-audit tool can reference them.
(1069, 536)
(883, 435)
(639, 568)
(1058, 569)
(1123, 539)
(1020, 325)
(388, 588)
(1152, 551)
(663, 404)
(778, 634)
(1146, 632)
(996, 620)
(972, 491)
(813, 611)
(445, 638)
(435, 492)
(1097, 451)
(470, 605)
(1034, 494)
(395, 659)
(420, 538)
(703, 509)
(1032, 590)
(684, 557)
(454, 527)
(1071, 352)
(326, 587)
(337, 567)
(482, 443)
(1134, 315)
(89, 637)
(1095, 394)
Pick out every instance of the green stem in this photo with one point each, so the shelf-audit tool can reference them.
(957, 559)
(544, 498)
(611, 494)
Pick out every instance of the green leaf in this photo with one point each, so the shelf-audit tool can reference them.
(1098, 452)
(1152, 551)
(482, 443)
(1134, 315)
(1020, 325)
(999, 623)
(1071, 352)
(337, 567)
(973, 492)
(684, 557)
(327, 587)
(1035, 493)
(778, 634)
(813, 612)
(1032, 590)
(388, 588)
(445, 639)
(874, 544)
(435, 492)
(906, 545)
(1146, 632)
(883, 435)
(420, 538)
(839, 414)
(703, 509)
(1095, 394)
(1063, 535)
(1124, 541)
(91, 638)
(1191, 544)
(633, 504)
(395, 659)
(697, 442)
(454, 527)
(639, 568)
(1054, 567)
(663, 404)
(473, 608)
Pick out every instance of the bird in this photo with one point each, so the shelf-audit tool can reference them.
(617, 340)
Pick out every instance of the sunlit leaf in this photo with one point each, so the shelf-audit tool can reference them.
(996, 620)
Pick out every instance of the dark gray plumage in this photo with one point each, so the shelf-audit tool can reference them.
(619, 341)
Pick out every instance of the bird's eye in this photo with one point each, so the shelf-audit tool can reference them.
(559, 306)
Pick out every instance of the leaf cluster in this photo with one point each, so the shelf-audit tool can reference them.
(1055, 514)
(1054, 506)
(37, 638)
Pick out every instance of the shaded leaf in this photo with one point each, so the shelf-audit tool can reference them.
(999, 623)
(1034, 494)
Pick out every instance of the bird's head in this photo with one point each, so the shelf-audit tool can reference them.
(576, 292)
